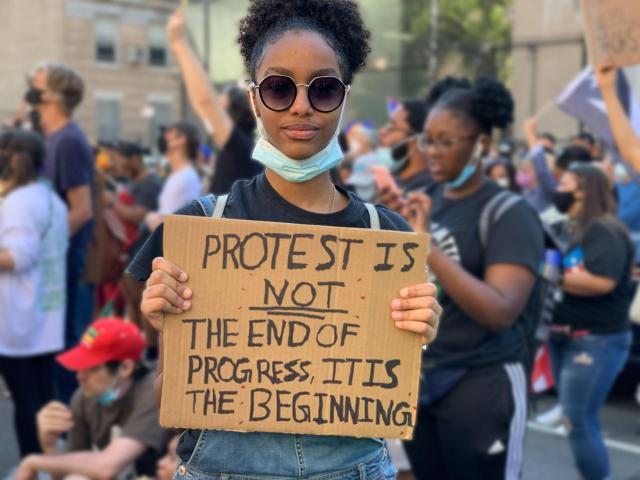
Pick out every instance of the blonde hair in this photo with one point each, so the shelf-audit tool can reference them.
(65, 82)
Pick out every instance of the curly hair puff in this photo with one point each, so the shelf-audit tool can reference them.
(487, 102)
(338, 21)
(443, 86)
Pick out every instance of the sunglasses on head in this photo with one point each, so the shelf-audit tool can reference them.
(278, 92)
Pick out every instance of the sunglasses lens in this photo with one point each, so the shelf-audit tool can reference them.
(326, 93)
(277, 93)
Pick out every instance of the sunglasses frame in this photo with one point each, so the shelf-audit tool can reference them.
(347, 89)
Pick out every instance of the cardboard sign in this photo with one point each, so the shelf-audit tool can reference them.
(290, 329)
(613, 30)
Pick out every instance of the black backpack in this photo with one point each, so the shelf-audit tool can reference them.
(534, 324)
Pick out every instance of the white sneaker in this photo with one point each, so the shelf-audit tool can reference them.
(551, 418)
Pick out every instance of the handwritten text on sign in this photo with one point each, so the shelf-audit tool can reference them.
(613, 30)
(290, 329)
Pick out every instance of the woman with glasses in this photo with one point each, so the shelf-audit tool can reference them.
(590, 335)
(471, 419)
(301, 56)
(33, 244)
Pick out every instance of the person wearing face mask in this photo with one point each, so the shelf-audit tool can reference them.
(55, 91)
(472, 413)
(111, 425)
(398, 146)
(33, 242)
(504, 174)
(590, 335)
(183, 184)
(301, 56)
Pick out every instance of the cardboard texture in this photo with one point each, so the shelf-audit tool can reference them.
(290, 329)
(612, 29)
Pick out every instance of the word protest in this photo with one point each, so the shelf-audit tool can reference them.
(613, 31)
(290, 329)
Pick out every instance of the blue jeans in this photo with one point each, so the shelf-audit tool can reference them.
(259, 456)
(585, 369)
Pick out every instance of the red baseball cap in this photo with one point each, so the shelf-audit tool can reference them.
(106, 340)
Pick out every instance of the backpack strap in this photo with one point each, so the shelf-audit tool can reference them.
(493, 212)
(374, 216)
(206, 203)
(221, 202)
(213, 206)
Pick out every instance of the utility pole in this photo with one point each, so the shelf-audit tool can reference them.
(434, 15)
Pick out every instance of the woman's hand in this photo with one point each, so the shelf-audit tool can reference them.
(165, 292)
(418, 311)
(606, 74)
(417, 211)
(176, 29)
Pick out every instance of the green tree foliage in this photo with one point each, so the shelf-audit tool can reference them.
(472, 36)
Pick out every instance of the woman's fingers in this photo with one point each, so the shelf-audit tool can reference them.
(160, 263)
(169, 294)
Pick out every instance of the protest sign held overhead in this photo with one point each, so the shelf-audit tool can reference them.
(290, 329)
(612, 29)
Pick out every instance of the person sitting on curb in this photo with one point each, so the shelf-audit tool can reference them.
(112, 422)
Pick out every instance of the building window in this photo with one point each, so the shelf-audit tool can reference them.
(106, 38)
(161, 116)
(157, 39)
(108, 115)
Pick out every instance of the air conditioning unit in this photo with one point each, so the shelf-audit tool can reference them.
(136, 55)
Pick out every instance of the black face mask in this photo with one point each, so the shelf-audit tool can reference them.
(34, 96)
(563, 201)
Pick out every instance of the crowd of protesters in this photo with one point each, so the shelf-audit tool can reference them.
(81, 332)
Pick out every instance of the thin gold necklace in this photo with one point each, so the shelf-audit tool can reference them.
(333, 199)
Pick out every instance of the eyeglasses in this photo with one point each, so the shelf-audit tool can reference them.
(278, 92)
(440, 144)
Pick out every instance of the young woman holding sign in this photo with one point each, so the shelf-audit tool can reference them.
(301, 55)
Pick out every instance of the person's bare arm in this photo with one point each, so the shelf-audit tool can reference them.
(585, 284)
(530, 128)
(202, 94)
(627, 141)
(80, 207)
(495, 301)
(6, 260)
(105, 464)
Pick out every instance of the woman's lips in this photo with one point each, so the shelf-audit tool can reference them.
(301, 131)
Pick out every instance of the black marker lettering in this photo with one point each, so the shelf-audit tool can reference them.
(385, 266)
(208, 251)
(324, 240)
(406, 248)
(291, 264)
(347, 250)
(245, 247)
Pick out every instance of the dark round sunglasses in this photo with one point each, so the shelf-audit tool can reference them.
(278, 92)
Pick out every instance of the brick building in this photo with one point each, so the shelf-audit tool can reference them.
(118, 46)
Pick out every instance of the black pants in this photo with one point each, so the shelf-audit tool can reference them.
(30, 382)
(476, 431)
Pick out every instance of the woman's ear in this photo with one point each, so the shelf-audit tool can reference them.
(127, 368)
(254, 101)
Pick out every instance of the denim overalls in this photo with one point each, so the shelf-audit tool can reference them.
(257, 456)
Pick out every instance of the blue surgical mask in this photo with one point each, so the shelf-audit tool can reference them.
(108, 397)
(469, 170)
(298, 171)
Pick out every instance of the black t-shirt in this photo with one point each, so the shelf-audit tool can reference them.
(516, 238)
(234, 163)
(606, 251)
(257, 200)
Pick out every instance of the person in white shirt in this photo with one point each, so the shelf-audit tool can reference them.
(34, 236)
(183, 184)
